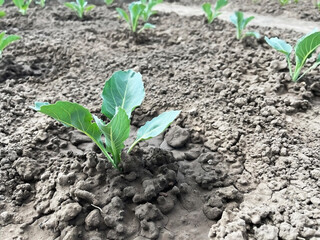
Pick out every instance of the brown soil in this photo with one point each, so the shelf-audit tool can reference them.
(250, 168)
(304, 9)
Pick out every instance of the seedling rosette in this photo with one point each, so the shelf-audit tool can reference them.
(304, 49)
(80, 7)
(149, 4)
(212, 14)
(42, 3)
(136, 11)
(241, 23)
(122, 93)
(23, 5)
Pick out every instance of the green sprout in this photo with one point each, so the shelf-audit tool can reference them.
(6, 40)
(212, 14)
(122, 93)
(2, 13)
(240, 22)
(135, 11)
(42, 3)
(23, 5)
(80, 7)
(304, 49)
(149, 4)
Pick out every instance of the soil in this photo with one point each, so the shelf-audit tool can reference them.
(240, 162)
(304, 9)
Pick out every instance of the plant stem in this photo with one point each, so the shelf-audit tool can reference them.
(238, 33)
(308, 70)
(132, 145)
(289, 65)
(106, 154)
(296, 74)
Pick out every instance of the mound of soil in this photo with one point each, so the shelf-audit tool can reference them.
(240, 162)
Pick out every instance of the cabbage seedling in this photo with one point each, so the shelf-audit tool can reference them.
(147, 12)
(122, 93)
(6, 40)
(108, 2)
(2, 13)
(212, 14)
(80, 7)
(135, 11)
(42, 3)
(283, 2)
(304, 49)
(23, 5)
(240, 22)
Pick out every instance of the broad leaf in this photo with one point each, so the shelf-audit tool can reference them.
(253, 34)
(154, 127)
(208, 11)
(72, 115)
(115, 132)
(89, 8)
(246, 21)
(146, 26)
(220, 4)
(5, 41)
(2, 14)
(125, 90)
(237, 19)
(279, 45)
(305, 47)
(1, 2)
(123, 14)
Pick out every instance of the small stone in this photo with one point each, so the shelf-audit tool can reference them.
(29, 169)
(77, 137)
(177, 137)
(93, 219)
(69, 211)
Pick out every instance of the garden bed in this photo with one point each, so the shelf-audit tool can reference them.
(246, 161)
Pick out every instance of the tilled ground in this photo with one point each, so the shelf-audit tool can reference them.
(241, 159)
(304, 9)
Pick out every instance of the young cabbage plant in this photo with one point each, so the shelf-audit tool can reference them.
(6, 40)
(149, 4)
(135, 11)
(304, 49)
(283, 2)
(122, 93)
(23, 5)
(80, 7)
(42, 3)
(108, 2)
(240, 22)
(2, 13)
(212, 14)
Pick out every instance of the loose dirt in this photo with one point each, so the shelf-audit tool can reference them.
(240, 162)
(283, 22)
